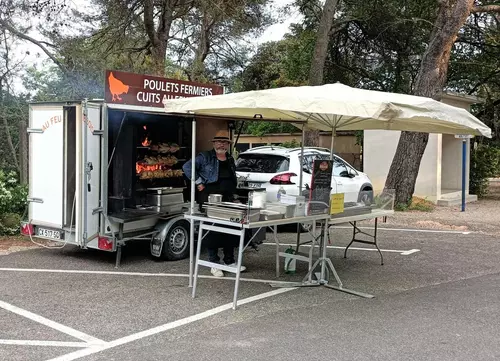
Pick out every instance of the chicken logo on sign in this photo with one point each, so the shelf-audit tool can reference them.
(116, 87)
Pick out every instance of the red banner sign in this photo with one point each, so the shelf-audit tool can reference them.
(146, 90)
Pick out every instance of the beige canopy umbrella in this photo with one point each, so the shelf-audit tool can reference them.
(330, 107)
(334, 107)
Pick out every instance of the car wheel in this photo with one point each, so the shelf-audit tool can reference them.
(365, 196)
(176, 244)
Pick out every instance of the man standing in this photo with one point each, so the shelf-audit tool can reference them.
(215, 173)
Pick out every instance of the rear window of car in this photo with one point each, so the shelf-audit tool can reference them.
(262, 163)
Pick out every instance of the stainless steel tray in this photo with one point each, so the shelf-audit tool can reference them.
(267, 215)
(230, 205)
(288, 210)
(163, 199)
(165, 190)
(232, 215)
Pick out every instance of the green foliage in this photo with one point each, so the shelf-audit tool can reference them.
(474, 68)
(262, 128)
(484, 164)
(359, 137)
(13, 110)
(291, 144)
(278, 64)
(12, 202)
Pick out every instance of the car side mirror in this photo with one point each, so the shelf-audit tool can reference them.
(305, 169)
(345, 174)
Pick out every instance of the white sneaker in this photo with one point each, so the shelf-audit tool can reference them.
(242, 269)
(217, 272)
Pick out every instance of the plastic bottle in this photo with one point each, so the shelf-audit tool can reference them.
(289, 261)
(280, 192)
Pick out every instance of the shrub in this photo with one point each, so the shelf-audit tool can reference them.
(417, 204)
(12, 202)
(484, 164)
(291, 144)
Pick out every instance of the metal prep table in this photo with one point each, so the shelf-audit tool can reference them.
(127, 216)
(217, 225)
(374, 214)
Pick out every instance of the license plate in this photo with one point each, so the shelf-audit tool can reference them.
(48, 233)
(253, 185)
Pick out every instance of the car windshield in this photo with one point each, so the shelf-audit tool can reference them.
(262, 163)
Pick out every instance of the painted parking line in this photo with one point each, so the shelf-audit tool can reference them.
(45, 343)
(165, 327)
(401, 252)
(136, 274)
(52, 324)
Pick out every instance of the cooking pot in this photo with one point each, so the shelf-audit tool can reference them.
(215, 198)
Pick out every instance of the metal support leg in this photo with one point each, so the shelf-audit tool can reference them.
(353, 224)
(119, 246)
(191, 251)
(196, 265)
(311, 251)
(356, 230)
(323, 252)
(118, 255)
(238, 270)
(375, 242)
(275, 235)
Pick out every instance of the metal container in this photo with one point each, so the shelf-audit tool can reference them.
(170, 208)
(215, 198)
(161, 200)
(165, 200)
(237, 215)
(268, 215)
(257, 198)
(288, 210)
(165, 190)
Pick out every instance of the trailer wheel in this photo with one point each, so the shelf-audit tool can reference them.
(176, 244)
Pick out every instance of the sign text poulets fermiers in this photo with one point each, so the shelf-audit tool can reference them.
(152, 91)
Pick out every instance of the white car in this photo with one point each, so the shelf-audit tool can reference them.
(275, 168)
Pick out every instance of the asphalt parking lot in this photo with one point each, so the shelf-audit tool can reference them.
(436, 298)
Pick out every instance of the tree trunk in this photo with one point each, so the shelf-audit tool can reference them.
(318, 60)
(429, 83)
(158, 56)
(322, 40)
(159, 36)
(311, 138)
(198, 67)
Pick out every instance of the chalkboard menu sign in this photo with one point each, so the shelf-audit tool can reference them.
(321, 185)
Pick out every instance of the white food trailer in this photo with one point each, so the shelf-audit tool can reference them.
(104, 172)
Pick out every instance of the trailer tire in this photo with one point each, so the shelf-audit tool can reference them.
(176, 243)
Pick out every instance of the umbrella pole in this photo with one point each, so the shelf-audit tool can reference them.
(193, 188)
(300, 181)
(331, 145)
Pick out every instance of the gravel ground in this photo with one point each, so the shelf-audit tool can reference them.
(482, 216)
(14, 244)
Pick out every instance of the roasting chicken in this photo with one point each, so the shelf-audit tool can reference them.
(165, 147)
